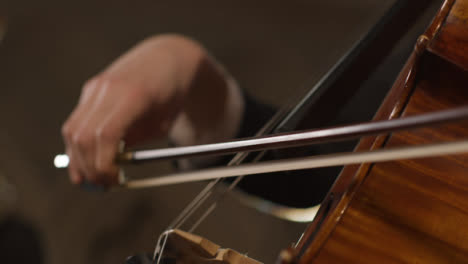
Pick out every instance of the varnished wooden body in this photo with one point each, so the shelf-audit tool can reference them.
(409, 211)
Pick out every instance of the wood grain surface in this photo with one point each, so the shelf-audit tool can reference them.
(409, 211)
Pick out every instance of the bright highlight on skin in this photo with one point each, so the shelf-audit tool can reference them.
(61, 161)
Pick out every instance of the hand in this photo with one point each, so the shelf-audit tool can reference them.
(165, 84)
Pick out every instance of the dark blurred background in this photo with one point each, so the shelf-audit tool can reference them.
(52, 47)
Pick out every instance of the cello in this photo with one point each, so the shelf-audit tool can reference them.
(408, 211)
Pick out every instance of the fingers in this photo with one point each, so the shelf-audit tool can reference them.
(82, 133)
(94, 130)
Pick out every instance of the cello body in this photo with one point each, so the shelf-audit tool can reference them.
(408, 211)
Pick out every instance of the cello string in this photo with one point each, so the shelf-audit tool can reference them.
(202, 196)
(193, 207)
(188, 210)
(236, 160)
(319, 161)
(221, 196)
(203, 217)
